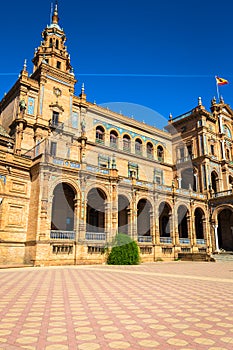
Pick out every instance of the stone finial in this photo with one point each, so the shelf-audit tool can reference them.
(25, 65)
(213, 101)
(199, 101)
(83, 89)
(221, 99)
(55, 18)
(170, 116)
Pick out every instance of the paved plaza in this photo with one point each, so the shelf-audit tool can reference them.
(164, 305)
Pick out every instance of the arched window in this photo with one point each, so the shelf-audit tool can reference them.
(113, 139)
(182, 223)
(214, 181)
(50, 42)
(144, 220)
(165, 221)
(62, 210)
(189, 179)
(126, 143)
(138, 146)
(57, 44)
(199, 227)
(160, 153)
(96, 212)
(99, 135)
(149, 150)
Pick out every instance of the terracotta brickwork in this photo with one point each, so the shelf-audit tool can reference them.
(73, 174)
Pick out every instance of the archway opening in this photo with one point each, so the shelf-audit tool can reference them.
(188, 181)
(63, 208)
(95, 217)
(182, 221)
(199, 228)
(225, 229)
(123, 214)
(144, 209)
(164, 220)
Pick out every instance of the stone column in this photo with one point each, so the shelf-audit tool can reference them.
(206, 233)
(223, 149)
(130, 222)
(190, 230)
(176, 230)
(134, 216)
(179, 179)
(83, 213)
(215, 227)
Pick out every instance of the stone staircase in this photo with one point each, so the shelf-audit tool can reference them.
(194, 257)
(222, 256)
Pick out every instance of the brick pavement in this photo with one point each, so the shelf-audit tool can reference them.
(175, 305)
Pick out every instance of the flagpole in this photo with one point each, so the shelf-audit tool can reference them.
(217, 88)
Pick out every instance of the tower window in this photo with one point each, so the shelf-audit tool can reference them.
(50, 42)
(55, 118)
(53, 149)
(212, 150)
(190, 151)
(160, 153)
(99, 136)
(57, 44)
(58, 64)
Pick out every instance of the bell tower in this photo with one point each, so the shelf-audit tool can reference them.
(52, 50)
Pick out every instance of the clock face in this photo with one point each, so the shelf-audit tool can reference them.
(57, 91)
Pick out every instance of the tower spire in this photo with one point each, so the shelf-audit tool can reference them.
(55, 17)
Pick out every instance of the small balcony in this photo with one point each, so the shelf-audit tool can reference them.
(184, 240)
(66, 235)
(144, 239)
(166, 240)
(95, 236)
(222, 193)
(200, 241)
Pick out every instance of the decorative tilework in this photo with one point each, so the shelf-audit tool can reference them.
(74, 120)
(31, 105)
(3, 178)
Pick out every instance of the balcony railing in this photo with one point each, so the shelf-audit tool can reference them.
(144, 239)
(95, 236)
(223, 193)
(184, 240)
(57, 234)
(114, 144)
(100, 141)
(200, 241)
(166, 240)
(183, 160)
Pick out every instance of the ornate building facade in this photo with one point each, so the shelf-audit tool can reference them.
(73, 174)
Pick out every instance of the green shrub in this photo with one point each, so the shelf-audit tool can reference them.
(124, 251)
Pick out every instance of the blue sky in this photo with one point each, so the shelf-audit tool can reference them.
(159, 54)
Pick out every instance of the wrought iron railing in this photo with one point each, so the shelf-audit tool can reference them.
(57, 234)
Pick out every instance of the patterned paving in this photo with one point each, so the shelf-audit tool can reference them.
(176, 305)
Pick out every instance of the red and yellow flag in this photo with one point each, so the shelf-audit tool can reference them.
(221, 81)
